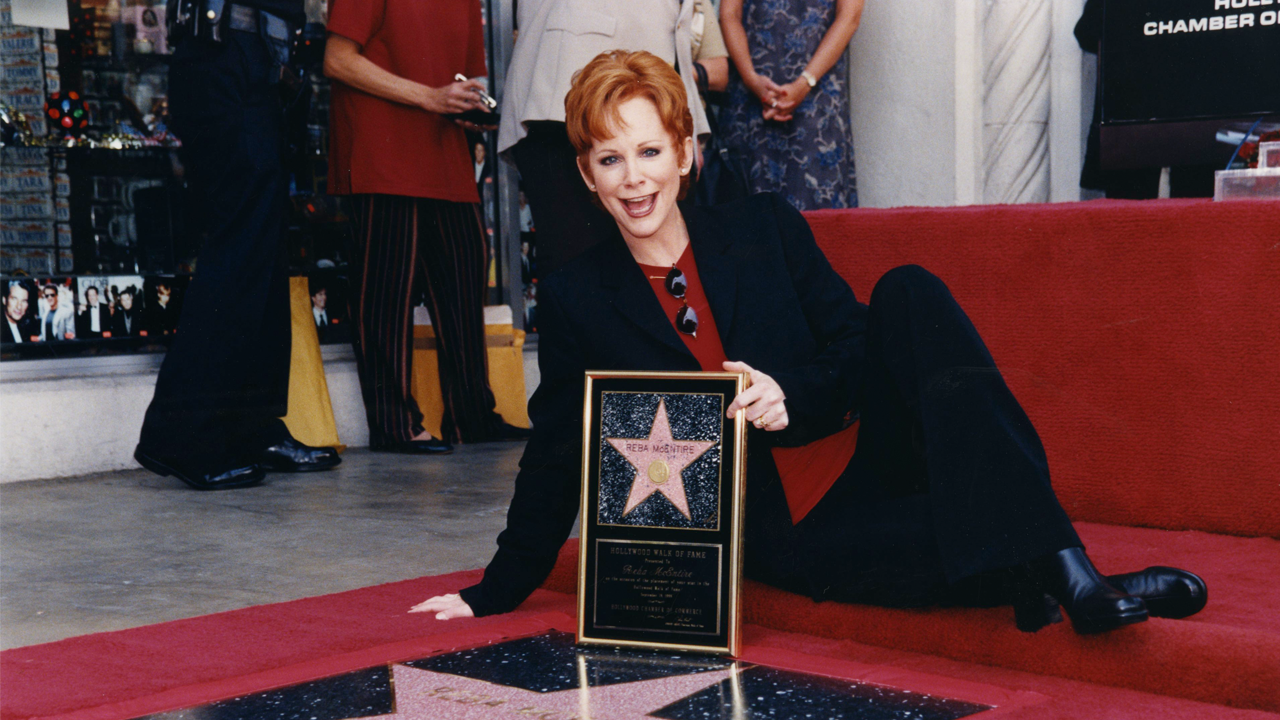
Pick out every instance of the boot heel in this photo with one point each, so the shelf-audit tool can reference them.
(1092, 603)
(1033, 610)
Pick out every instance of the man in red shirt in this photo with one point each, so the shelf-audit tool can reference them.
(415, 208)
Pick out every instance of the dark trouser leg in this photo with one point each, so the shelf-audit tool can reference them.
(382, 269)
(567, 221)
(224, 382)
(451, 256)
(938, 416)
(949, 481)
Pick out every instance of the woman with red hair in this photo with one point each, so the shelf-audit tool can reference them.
(887, 462)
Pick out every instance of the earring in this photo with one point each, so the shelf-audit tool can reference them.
(684, 171)
(592, 188)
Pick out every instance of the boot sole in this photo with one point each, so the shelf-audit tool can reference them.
(1093, 626)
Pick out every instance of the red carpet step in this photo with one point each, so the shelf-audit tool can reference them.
(114, 676)
(1229, 653)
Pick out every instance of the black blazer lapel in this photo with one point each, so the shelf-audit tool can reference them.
(633, 296)
(717, 269)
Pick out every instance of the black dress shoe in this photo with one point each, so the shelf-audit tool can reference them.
(289, 455)
(1069, 578)
(430, 446)
(200, 480)
(1168, 592)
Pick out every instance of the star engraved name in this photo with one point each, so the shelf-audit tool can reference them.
(428, 695)
(659, 462)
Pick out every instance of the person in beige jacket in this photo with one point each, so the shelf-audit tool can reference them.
(556, 39)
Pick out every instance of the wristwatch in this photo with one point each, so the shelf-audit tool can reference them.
(813, 81)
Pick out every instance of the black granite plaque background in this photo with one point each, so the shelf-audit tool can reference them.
(659, 587)
(351, 695)
(692, 417)
(764, 692)
(550, 662)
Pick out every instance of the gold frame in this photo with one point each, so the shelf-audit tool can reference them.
(737, 479)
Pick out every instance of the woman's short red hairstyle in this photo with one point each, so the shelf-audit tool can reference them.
(615, 77)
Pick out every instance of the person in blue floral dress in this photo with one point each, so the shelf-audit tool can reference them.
(788, 107)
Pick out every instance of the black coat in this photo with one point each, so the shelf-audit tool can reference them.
(118, 328)
(84, 321)
(779, 307)
(28, 327)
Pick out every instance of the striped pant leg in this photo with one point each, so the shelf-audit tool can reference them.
(386, 228)
(452, 256)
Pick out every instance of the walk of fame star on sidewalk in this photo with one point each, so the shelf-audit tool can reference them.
(659, 462)
(423, 694)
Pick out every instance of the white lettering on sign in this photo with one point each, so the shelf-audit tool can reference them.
(1236, 21)
(1217, 22)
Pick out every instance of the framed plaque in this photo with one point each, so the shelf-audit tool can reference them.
(660, 560)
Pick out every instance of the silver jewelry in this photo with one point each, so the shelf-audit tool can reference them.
(809, 78)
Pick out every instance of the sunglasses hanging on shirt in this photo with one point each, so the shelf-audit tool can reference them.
(686, 319)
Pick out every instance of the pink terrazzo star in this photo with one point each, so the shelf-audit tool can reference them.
(428, 695)
(659, 462)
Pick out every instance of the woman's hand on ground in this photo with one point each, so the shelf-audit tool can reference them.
(454, 98)
(446, 607)
(764, 401)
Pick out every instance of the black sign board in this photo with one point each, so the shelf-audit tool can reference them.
(1175, 73)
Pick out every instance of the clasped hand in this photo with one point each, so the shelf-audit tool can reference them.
(779, 101)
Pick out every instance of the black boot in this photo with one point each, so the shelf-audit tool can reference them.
(1069, 578)
(1168, 592)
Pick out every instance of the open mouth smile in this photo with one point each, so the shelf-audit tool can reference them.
(641, 206)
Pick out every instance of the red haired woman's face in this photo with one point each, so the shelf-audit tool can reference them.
(637, 172)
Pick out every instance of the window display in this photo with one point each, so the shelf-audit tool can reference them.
(92, 186)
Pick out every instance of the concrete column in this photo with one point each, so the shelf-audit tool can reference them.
(903, 96)
(969, 91)
(1068, 118)
(1016, 41)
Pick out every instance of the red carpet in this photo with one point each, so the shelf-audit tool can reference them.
(112, 676)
